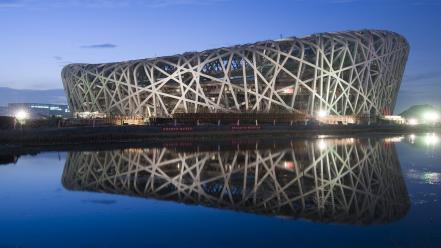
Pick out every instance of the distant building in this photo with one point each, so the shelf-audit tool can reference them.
(40, 110)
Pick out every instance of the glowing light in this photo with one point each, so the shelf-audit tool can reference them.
(87, 114)
(412, 122)
(322, 113)
(289, 164)
(394, 139)
(289, 90)
(21, 115)
(431, 139)
(431, 116)
(432, 177)
(427, 177)
(412, 138)
(322, 145)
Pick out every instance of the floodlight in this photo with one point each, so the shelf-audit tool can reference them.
(322, 113)
(431, 116)
(21, 115)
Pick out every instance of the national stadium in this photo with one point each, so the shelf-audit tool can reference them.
(329, 77)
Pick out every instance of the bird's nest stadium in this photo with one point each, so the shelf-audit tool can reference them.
(327, 75)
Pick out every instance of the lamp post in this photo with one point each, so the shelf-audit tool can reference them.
(321, 116)
(21, 116)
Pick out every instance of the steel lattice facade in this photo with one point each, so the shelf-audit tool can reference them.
(328, 180)
(346, 73)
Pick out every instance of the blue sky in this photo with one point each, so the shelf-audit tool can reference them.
(38, 37)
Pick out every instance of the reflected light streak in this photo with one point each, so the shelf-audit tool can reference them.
(431, 139)
(322, 145)
(394, 139)
(432, 177)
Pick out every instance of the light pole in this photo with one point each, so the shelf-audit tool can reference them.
(21, 116)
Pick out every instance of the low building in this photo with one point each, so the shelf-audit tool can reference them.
(40, 110)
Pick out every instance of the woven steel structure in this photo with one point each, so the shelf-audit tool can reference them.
(343, 181)
(346, 73)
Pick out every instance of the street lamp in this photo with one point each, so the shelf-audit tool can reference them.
(322, 113)
(21, 116)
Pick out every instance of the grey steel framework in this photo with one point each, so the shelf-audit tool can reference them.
(348, 181)
(347, 73)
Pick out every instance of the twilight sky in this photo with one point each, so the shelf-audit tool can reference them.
(38, 37)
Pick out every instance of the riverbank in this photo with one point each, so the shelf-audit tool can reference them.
(121, 134)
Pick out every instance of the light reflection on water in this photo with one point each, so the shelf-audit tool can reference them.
(382, 191)
(424, 177)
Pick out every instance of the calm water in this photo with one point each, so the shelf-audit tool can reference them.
(345, 192)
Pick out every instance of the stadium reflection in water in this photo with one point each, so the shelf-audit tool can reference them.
(350, 180)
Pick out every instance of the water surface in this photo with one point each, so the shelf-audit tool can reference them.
(325, 191)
